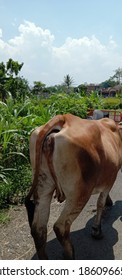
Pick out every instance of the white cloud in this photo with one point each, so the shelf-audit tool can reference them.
(1, 32)
(85, 59)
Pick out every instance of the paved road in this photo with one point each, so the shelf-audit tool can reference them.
(108, 248)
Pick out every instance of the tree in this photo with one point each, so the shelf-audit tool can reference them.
(108, 83)
(68, 81)
(3, 91)
(38, 88)
(10, 81)
(13, 67)
(23, 88)
(82, 89)
(118, 75)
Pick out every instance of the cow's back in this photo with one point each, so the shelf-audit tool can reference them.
(87, 152)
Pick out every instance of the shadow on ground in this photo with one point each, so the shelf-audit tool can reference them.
(87, 248)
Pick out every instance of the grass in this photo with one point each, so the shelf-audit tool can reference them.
(111, 103)
(4, 216)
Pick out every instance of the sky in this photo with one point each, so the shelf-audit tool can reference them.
(53, 38)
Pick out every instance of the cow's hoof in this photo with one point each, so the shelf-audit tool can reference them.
(96, 232)
(67, 257)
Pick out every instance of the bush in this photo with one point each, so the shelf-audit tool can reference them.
(14, 188)
(111, 103)
(63, 104)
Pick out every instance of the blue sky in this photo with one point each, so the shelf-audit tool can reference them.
(82, 38)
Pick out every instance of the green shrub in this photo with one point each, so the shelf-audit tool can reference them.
(15, 186)
(111, 103)
(63, 104)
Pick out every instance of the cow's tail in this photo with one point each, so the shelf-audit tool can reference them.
(56, 123)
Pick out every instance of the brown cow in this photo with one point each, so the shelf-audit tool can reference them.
(75, 158)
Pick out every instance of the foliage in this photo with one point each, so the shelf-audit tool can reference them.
(118, 75)
(38, 88)
(94, 101)
(13, 67)
(68, 82)
(11, 82)
(108, 83)
(82, 89)
(112, 103)
(114, 80)
(63, 104)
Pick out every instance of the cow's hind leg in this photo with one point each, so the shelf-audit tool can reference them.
(103, 199)
(39, 224)
(62, 226)
(62, 231)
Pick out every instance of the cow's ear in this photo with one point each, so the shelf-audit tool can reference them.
(120, 128)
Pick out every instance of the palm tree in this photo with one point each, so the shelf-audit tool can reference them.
(68, 81)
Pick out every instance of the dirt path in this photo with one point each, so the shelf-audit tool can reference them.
(15, 238)
(16, 241)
